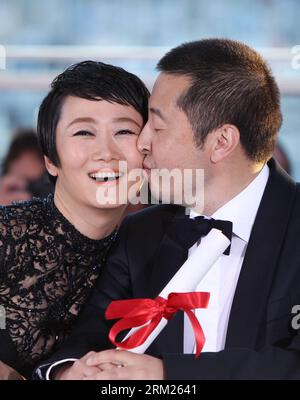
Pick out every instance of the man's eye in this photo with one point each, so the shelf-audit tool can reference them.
(83, 133)
(126, 132)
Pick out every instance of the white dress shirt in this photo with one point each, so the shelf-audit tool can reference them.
(221, 279)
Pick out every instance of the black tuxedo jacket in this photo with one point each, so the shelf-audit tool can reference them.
(261, 342)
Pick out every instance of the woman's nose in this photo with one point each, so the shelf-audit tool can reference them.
(106, 149)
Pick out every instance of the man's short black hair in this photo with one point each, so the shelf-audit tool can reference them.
(230, 84)
(90, 80)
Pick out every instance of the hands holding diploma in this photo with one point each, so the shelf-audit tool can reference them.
(118, 364)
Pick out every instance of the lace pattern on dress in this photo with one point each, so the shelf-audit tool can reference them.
(47, 270)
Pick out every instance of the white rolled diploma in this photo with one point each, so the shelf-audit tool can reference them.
(187, 277)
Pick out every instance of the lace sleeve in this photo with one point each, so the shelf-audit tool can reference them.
(2, 246)
(12, 230)
(4, 232)
(3, 252)
(16, 275)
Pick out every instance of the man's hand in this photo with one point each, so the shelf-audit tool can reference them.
(9, 374)
(124, 365)
(13, 188)
(77, 371)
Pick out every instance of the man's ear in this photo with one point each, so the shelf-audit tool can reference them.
(51, 168)
(227, 138)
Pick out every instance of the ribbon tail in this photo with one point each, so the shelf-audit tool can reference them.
(138, 337)
(198, 332)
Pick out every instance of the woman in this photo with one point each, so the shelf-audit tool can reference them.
(52, 250)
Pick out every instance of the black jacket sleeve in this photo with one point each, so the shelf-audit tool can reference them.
(271, 362)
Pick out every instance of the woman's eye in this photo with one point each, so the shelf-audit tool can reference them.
(83, 133)
(126, 132)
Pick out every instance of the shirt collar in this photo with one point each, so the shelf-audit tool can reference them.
(242, 209)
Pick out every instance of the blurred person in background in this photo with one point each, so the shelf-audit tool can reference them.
(23, 169)
(52, 250)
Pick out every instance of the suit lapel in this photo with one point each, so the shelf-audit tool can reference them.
(170, 257)
(261, 260)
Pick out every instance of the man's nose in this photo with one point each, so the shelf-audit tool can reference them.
(144, 140)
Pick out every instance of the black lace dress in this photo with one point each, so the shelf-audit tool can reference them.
(47, 270)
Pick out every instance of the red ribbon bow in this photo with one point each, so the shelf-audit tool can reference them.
(138, 312)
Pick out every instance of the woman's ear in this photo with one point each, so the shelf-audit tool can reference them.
(227, 138)
(51, 168)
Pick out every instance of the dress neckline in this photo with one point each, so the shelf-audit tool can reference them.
(76, 238)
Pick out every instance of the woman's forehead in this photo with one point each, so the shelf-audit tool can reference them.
(80, 108)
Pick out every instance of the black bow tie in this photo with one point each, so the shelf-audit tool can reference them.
(187, 231)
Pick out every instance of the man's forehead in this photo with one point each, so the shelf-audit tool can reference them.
(168, 81)
(167, 88)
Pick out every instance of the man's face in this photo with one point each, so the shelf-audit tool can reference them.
(167, 139)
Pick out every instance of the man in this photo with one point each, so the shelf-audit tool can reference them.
(215, 106)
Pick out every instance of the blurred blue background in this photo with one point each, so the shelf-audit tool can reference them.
(41, 38)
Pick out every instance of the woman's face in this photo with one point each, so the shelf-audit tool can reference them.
(96, 145)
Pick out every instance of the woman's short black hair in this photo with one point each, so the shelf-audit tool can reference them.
(91, 80)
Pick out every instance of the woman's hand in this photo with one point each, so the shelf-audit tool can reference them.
(9, 374)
